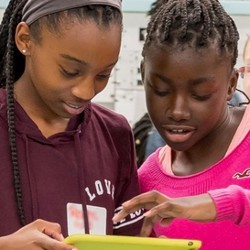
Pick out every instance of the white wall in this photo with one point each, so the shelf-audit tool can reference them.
(1, 13)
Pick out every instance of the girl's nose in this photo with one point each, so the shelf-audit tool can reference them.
(85, 89)
(179, 109)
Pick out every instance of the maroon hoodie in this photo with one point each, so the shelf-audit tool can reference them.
(89, 167)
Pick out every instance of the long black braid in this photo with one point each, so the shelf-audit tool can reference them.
(12, 62)
(11, 65)
(196, 23)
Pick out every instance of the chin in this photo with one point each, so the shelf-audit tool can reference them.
(179, 146)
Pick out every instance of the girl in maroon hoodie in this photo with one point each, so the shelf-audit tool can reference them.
(67, 164)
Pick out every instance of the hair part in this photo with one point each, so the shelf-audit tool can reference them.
(12, 62)
(197, 24)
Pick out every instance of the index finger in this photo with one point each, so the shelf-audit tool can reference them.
(146, 200)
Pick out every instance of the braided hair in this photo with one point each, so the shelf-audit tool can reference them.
(12, 62)
(195, 23)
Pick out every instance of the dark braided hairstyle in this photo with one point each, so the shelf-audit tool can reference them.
(12, 62)
(195, 23)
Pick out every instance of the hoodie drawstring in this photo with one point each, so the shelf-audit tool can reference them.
(81, 181)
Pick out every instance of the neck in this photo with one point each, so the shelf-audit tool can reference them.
(210, 149)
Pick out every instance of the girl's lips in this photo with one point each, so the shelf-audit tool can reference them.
(73, 109)
(179, 134)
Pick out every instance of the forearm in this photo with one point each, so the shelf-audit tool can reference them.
(232, 203)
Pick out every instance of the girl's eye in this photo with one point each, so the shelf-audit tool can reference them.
(201, 97)
(104, 76)
(161, 93)
(158, 91)
(69, 73)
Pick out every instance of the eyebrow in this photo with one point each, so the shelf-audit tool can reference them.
(71, 58)
(193, 82)
(202, 80)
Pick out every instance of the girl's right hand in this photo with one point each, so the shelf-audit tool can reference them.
(37, 235)
(164, 209)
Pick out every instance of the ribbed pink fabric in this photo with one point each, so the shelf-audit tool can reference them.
(228, 182)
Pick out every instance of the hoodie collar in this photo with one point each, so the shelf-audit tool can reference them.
(26, 126)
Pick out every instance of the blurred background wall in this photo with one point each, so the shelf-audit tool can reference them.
(124, 93)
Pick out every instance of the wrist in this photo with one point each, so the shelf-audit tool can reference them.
(4, 242)
(8, 243)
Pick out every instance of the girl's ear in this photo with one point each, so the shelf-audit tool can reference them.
(22, 38)
(142, 70)
(232, 84)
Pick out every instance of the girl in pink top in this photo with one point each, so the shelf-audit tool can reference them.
(203, 174)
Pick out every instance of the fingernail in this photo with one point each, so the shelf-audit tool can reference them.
(114, 220)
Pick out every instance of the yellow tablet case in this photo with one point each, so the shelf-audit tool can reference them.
(115, 242)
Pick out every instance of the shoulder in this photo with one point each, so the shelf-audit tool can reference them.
(108, 117)
(151, 164)
(111, 126)
(150, 172)
(2, 98)
(3, 105)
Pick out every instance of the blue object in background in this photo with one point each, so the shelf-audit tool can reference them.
(154, 141)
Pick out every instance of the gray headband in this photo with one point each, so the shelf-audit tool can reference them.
(35, 9)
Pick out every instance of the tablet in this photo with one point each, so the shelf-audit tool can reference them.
(115, 242)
